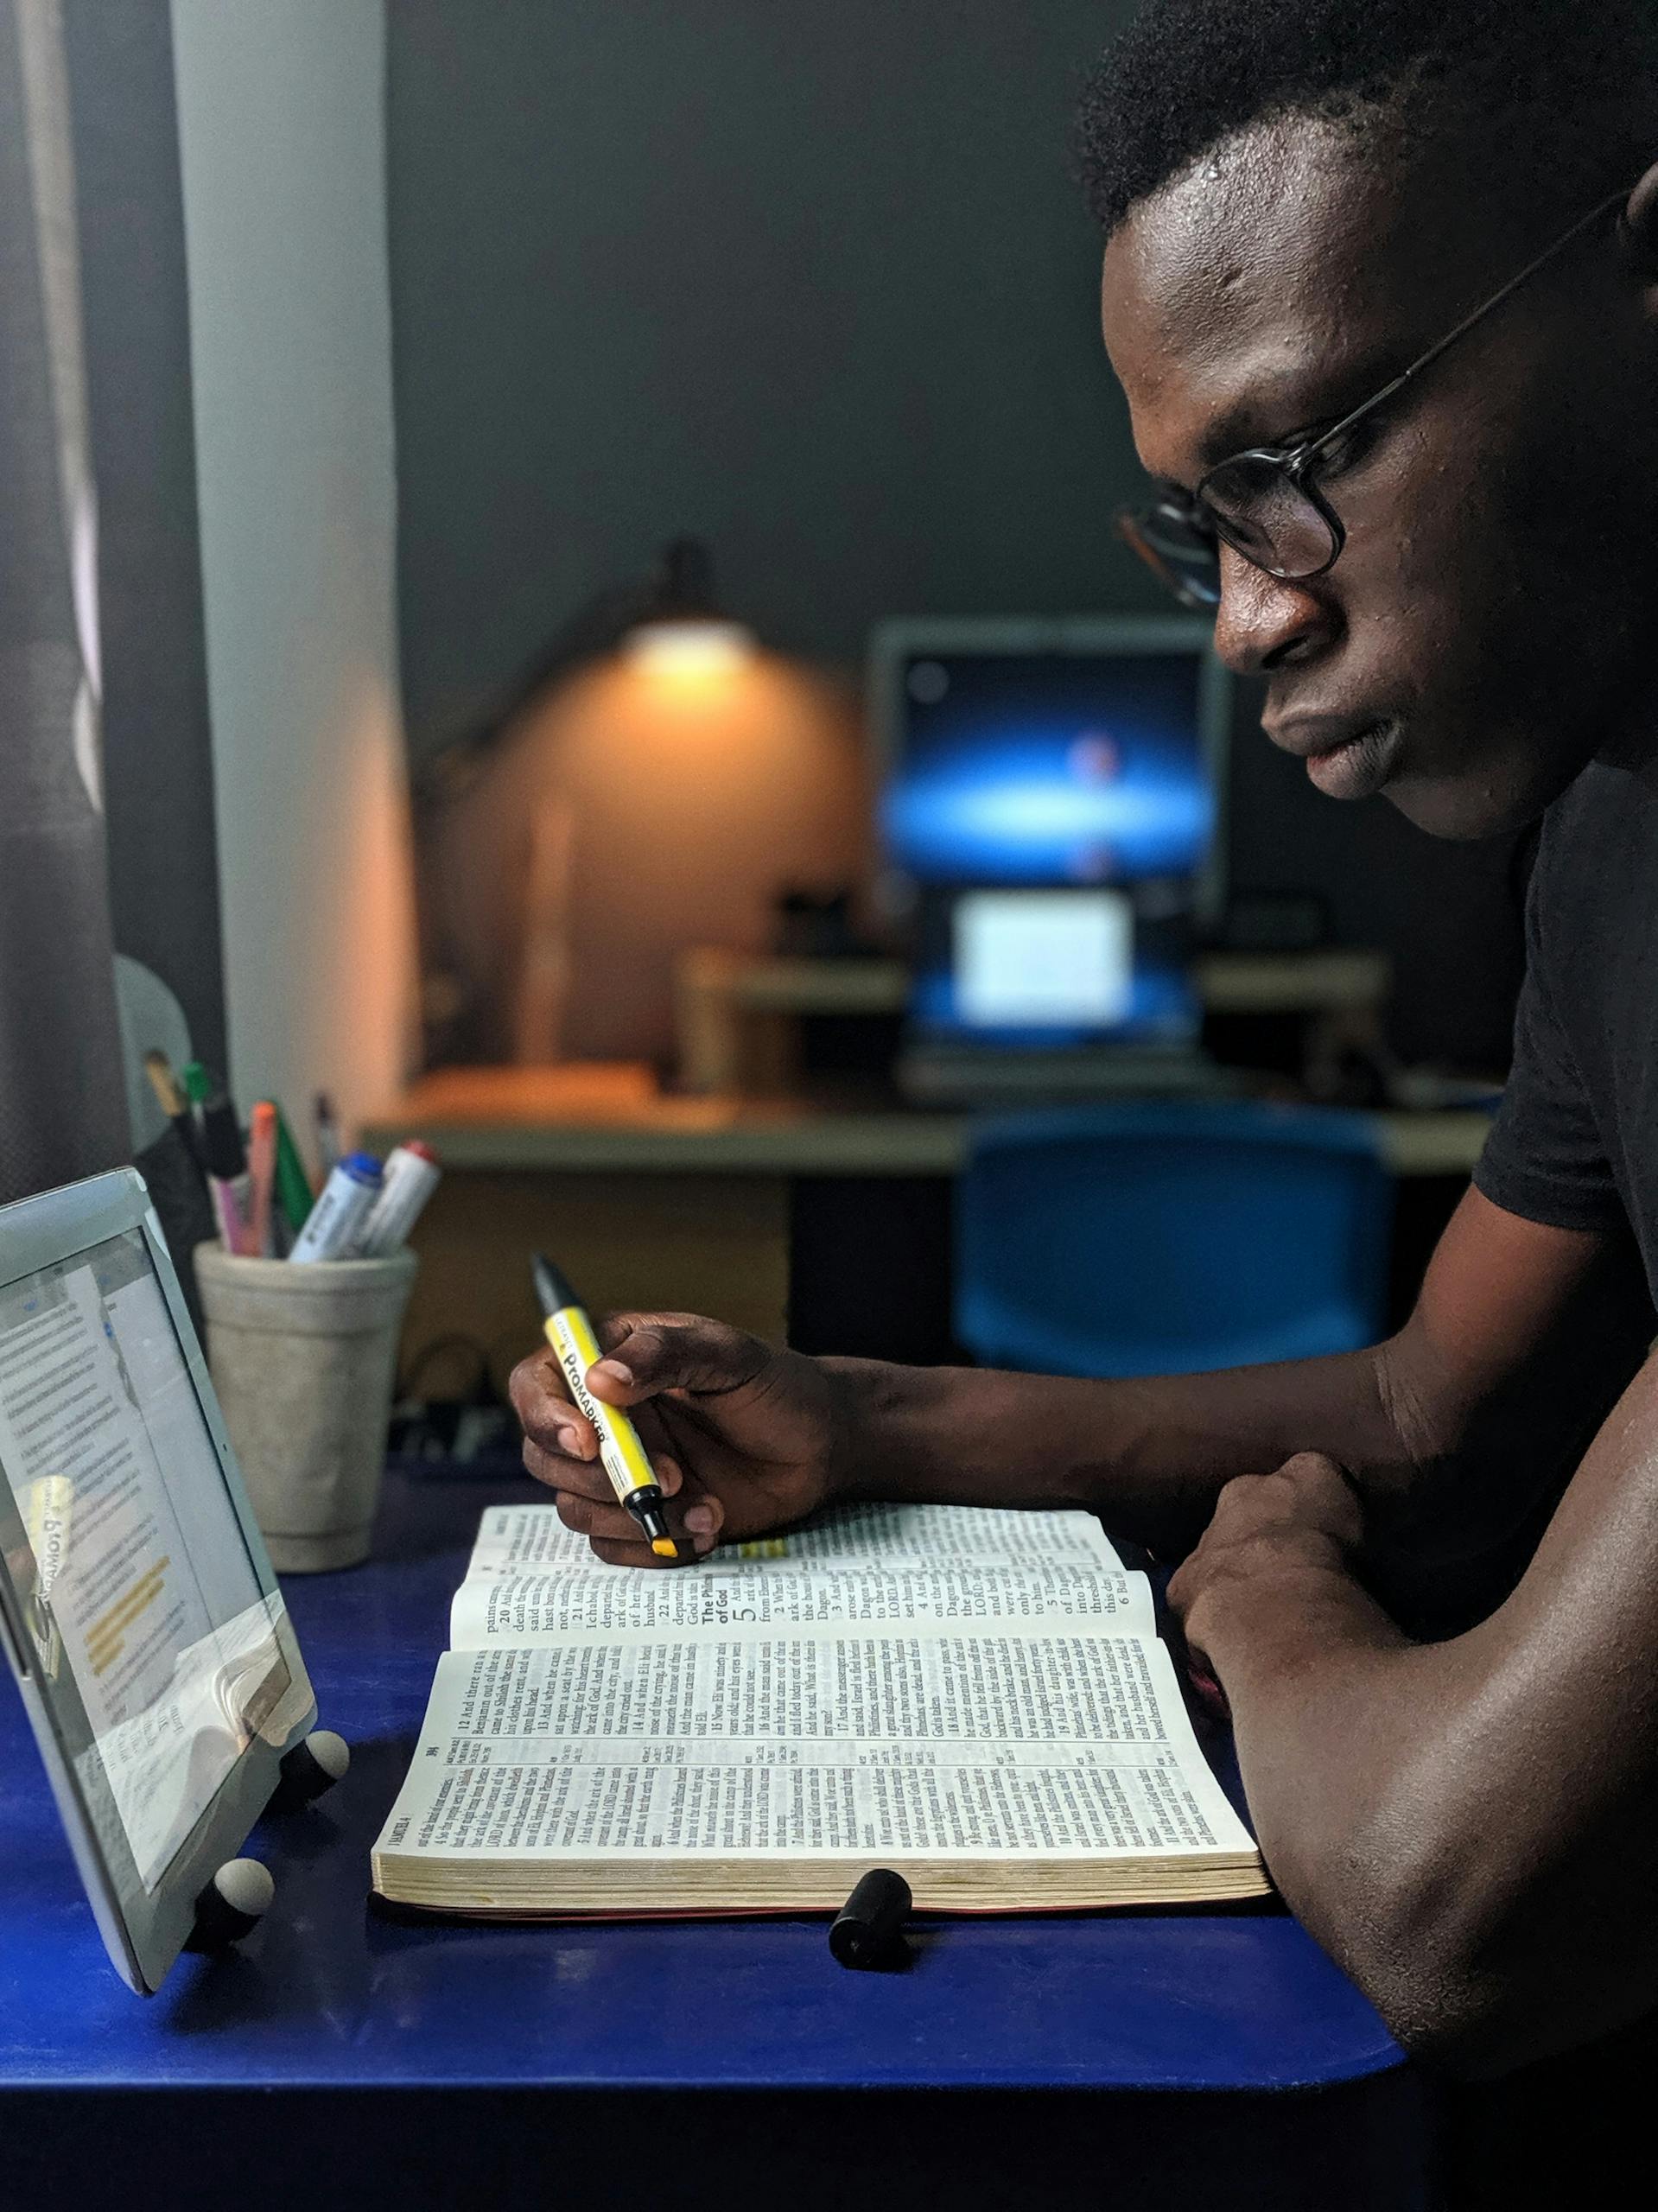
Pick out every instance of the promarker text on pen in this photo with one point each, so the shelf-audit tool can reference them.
(567, 1329)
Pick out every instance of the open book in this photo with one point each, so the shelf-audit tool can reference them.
(976, 1698)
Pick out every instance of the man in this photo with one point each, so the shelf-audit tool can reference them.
(1307, 204)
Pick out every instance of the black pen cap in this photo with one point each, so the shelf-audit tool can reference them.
(553, 1287)
(222, 1151)
(869, 1924)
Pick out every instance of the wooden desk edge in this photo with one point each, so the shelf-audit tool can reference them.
(824, 1144)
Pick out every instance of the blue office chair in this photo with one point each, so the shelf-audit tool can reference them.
(1170, 1237)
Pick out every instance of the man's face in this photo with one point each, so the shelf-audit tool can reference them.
(1482, 633)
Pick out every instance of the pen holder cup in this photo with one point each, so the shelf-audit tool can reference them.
(304, 1359)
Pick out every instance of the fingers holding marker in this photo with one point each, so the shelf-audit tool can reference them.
(646, 1354)
(617, 1537)
(584, 1477)
(569, 1332)
(543, 1404)
(566, 1475)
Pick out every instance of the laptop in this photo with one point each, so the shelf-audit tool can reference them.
(1053, 801)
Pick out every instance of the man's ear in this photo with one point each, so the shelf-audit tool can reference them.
(1640, 225)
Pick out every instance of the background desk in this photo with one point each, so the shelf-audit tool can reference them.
(1215, 2060)
(831, 1228)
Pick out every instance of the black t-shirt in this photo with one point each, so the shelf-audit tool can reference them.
(1575, 1143)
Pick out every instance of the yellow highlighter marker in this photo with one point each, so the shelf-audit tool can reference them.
(567, 1329)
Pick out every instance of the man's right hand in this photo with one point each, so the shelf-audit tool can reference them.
(744, 1438)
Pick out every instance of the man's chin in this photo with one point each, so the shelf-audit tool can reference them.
(1463, 808)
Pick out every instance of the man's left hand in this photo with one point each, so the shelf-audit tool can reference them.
(1298, 1523)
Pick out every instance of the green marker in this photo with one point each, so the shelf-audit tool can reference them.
(294, 1192)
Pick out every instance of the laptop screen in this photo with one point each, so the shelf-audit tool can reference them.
(1045, 970)
(1043, 959)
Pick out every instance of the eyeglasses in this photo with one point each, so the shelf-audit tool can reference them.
(1265, 504)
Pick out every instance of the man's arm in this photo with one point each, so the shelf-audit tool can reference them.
(1469, 1826)
(1495, 1315)
(748, 1439)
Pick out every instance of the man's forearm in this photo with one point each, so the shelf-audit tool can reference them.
(1328, 1698)
(1150, 1456)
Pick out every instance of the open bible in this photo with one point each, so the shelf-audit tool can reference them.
(976, 1698)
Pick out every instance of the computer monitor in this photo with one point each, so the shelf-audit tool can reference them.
(1052, 804)
(1053, 754)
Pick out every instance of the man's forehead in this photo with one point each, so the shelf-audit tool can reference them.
(1252, 284)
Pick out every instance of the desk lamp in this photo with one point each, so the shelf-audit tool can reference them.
(669, 619)
(685, 635)
(650, 783)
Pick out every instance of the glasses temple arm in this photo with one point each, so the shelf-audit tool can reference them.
(1424, 360)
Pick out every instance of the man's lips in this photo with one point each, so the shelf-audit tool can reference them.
(1346, 756)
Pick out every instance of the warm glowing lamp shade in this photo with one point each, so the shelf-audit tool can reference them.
(656, 780)
(691, 648)
(682, 634)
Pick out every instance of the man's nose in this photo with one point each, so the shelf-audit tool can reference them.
(1265, 622)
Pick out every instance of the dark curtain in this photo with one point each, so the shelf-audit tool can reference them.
(62, 1110)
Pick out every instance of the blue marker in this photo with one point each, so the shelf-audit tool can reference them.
(334, 1222)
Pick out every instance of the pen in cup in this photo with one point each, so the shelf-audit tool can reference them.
(294, 1193)
(170, 1097)
(327, 1127)
(198, 1089)
(222, 1155)
(262, 1178)
(567, 1329)
(411, 1175)
(336, 1220)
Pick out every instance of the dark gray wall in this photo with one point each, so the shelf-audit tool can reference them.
(157, 753)
(810, 281)
(813, 282)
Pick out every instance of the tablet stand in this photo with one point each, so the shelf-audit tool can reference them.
(312, 1767)
(235, 1901)
(239, 1894)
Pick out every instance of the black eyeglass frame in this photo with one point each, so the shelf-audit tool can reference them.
(1295, 462)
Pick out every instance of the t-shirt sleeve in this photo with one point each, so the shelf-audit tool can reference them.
(1544, 1159)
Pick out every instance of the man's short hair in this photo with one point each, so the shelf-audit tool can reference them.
(1567, 85)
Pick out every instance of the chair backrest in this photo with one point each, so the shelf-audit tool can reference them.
(1170, 1237)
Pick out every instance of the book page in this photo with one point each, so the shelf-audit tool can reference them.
(931, 1743)
(545, 1606)
(512, 1538)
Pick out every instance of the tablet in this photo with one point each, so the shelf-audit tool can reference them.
(137, 1607)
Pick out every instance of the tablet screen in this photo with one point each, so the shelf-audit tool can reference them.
(138, 1587)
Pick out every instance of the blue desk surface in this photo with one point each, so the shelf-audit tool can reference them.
(328, 1994)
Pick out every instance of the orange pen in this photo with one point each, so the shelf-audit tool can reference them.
(262, 1177)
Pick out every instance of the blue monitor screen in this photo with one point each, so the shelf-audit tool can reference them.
(1049, 768)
